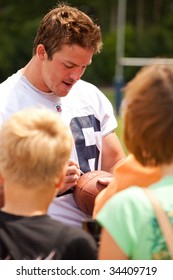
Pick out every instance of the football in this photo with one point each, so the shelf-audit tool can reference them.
(87, 189)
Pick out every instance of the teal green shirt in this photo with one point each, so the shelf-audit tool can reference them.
(129, 218)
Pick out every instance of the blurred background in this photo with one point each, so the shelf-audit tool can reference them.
(130, 28)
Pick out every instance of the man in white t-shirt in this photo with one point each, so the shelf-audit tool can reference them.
(64, 46)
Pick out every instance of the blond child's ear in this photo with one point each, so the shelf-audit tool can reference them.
(59, 182)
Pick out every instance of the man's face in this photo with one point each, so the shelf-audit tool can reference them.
(65, 69)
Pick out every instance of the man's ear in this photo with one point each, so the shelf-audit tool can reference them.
(41, 52)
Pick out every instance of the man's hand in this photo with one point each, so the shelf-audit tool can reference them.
(105, 180)
(72, 175)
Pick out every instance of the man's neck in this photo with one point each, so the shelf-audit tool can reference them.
(32, 73)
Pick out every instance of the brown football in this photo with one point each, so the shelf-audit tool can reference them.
(88, 188)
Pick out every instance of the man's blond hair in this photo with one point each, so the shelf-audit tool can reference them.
(34, 147)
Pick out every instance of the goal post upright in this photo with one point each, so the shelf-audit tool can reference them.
(122, 61)
(120, 43)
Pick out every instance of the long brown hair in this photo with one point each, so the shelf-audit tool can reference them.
(148, 115)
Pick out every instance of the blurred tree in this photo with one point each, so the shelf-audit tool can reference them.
(18, 24)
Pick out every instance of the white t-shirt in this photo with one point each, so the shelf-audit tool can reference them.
(85, 109)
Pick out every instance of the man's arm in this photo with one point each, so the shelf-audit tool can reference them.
(112, 153)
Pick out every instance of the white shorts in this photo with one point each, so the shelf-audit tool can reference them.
(64, 209)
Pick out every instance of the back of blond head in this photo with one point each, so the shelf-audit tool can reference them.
(34, 147)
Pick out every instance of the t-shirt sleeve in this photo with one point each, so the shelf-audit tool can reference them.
(109, 122)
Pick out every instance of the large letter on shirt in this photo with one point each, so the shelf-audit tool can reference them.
(84, 132)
